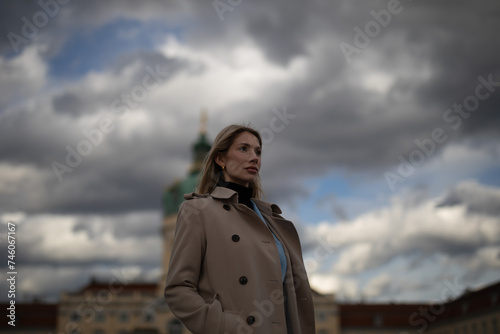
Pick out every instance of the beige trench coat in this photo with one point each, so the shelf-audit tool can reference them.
(224, 275)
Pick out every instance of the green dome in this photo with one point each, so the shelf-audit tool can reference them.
(174, 194)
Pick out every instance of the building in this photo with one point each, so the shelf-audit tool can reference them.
(377, 318)
(475, 312)
(117, 307)
(120, 307)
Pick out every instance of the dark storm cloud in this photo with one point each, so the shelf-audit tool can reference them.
(109, 180)
(476, 199)
(281, 33)
(69, 103)
(457, 42)
(103, 182)
(11, 13)
(348, 126)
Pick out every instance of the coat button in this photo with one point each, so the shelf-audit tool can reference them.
(226, 207)
(250, 320)
(243, 280)
(235, 238)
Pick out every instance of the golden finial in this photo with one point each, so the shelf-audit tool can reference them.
(204, 121)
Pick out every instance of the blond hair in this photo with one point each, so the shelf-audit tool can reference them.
(211, 173)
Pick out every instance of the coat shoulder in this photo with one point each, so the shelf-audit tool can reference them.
(274, 208)
(194, 195)
(194, 201)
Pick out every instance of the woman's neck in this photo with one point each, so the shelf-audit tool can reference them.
(244, 193)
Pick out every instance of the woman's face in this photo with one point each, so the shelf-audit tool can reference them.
(242, 160)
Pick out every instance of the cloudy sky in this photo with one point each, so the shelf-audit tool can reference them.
(380, 121)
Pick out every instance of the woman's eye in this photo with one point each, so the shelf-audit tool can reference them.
(243, 148)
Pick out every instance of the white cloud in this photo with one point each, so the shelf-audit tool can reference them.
(377, 285)
(40, 281)
(460, 159)
(51, 238)
(22, 76)
(364, 246)
(326, 283)
(16, 174)
(58, 253)
(243, 73)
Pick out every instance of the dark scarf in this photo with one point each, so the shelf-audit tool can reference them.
(244, 193)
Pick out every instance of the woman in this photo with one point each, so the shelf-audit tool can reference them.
(236, 264)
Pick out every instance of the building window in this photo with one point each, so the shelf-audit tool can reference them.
(465, 330)
(321, 316)
(99, 331)
(148, 317)
(494, 298)
(124, 317)
(378, 321)
(473, 328)
(494, 324)
(465, 307)
(74, 330)
(100, 317)
(75, 316)
(174, 327)
(323, 331)
(484, 327)
(122, 331)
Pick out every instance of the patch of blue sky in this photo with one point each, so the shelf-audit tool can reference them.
(490, 177)
(438, 182)
(96, 49)
(337, 197)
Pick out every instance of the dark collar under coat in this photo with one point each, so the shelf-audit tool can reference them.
(226, 194)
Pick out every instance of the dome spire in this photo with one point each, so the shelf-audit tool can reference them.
(173, 195)
(201, 147)
(203, 121)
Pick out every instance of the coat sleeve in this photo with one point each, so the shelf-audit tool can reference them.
(181, 293)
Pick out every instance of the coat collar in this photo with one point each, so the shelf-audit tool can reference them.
(223, 193)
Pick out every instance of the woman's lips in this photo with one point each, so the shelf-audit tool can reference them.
(252, 169)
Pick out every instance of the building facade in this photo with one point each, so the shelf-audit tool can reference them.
(475, 312)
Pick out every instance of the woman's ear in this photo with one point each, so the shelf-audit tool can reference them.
(219, 160)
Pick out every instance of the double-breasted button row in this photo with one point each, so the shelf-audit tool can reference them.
(243, 280)
(250, 320)
(235, 238)
(226, 207)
